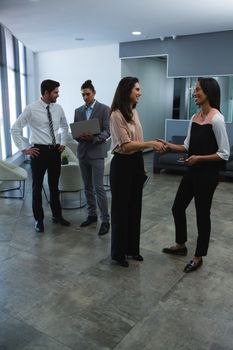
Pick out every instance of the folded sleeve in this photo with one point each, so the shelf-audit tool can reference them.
(220, 133)
(119, 131)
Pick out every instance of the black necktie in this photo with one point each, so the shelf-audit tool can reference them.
(51, 126)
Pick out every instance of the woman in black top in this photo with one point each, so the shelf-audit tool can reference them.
(208, 149)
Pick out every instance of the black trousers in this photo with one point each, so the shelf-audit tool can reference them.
(126, 181)
(49, 159)
(199, 185)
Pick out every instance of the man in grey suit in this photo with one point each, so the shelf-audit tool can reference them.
(92, 150)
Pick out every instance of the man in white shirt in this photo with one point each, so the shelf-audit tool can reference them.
(44, 117)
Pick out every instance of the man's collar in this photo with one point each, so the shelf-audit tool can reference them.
(91, 106)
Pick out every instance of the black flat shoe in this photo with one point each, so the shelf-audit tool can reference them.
(123, 263)
(136, 257)
(176, 251)
(192, 266)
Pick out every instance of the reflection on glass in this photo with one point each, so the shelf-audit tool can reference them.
(23, 98)
(188, 108)
(226, 87)
(21, 58)
(9, 49)
(2, 136)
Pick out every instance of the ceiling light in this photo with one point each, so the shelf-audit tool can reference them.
(136, 33)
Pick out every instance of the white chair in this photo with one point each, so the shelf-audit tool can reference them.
(67, 183)
(70, 142)
(12, 173)
(70, 181)
(70, 155)
(73, 146)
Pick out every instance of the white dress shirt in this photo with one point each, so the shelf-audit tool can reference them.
(36, 117)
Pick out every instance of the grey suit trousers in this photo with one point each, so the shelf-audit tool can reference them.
(93, 173)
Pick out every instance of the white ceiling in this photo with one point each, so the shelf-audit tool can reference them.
(45, 25)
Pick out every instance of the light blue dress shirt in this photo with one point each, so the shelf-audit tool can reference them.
(89, 109)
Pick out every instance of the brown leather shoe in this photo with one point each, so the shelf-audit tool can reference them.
(176, 251)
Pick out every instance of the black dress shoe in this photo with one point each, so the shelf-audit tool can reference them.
(136, 257)
(39, 226)
(90, 219)
(123, 263)
(104, 228)
(193, 266)
(176, 251)
(61, 221)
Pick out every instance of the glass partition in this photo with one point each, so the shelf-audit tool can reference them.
(187, 107)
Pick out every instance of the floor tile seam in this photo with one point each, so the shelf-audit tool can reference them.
(180, 258)
(167, 294)
(41, 332)
(41, 258)
(16, 220)
(47, 334)
(217, 201)
(27, 250)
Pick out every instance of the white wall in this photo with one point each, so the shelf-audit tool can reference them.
(156, 102)
(71, 68)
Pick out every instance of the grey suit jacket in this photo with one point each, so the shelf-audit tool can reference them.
(97, 148)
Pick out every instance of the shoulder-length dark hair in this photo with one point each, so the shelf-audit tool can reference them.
(121, 98)
(211, 88)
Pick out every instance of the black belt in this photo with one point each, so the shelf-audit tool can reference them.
(53, 147)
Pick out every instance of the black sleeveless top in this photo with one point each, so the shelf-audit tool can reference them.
(203, 142)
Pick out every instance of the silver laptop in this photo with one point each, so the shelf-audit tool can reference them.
(85, 126)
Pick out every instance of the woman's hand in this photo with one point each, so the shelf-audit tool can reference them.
(192, 160)
(165, 143)
(159, 146)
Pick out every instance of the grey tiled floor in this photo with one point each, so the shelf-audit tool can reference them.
(60, 291)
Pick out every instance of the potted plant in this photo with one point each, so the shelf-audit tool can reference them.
(64, 159)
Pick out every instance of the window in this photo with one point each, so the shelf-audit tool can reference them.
(10, 62)
(22, 71)
(13, 85)
(2, 136)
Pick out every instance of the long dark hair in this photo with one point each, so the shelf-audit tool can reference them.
(88, 85)
(211, 88)
(121, 98)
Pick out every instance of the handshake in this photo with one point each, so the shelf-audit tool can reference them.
(160, 145)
